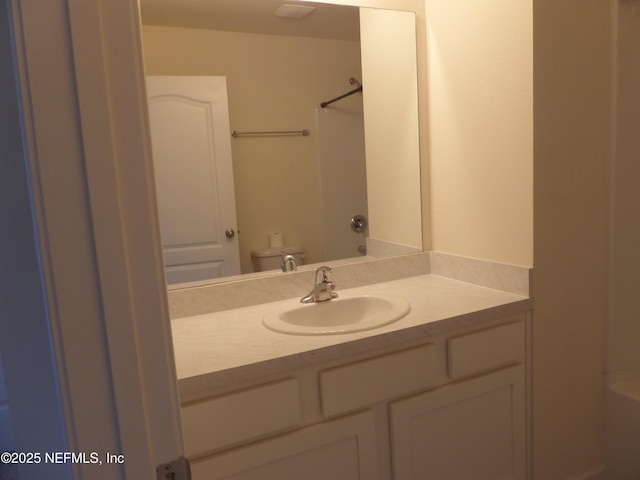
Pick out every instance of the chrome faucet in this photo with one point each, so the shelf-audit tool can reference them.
(323, 289)
(288, 263)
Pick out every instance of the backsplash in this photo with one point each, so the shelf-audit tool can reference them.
(253, 291)
(501, 276)
(242, 292)
(382, 249)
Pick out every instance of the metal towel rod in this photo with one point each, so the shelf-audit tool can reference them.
(304, 132)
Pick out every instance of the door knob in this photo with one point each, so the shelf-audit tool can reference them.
(230, 233)
(359, 223)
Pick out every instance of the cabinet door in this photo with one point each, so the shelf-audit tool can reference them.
(463, 431)
(343, 449)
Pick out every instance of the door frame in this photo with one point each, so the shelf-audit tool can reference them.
(96, 240)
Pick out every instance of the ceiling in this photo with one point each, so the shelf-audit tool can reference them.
(253, 16)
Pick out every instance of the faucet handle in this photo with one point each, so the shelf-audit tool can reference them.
(331, 288)
(322, 274)
(323, 288)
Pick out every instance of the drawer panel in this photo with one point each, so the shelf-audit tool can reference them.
(227, 419)
(364, 383)
(486, 349)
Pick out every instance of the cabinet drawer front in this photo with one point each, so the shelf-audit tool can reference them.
(487, 349)
(238, 416)
(369, 381)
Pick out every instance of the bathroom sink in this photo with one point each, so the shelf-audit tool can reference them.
(341, 315)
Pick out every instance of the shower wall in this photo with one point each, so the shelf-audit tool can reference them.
(343, 178)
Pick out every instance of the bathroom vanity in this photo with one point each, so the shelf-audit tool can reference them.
(440, 393)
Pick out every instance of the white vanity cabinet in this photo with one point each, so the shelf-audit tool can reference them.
(447, 407)
(468, 429)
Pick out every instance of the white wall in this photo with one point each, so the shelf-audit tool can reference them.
(480, 58)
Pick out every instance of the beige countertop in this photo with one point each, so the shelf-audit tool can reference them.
(223, 348)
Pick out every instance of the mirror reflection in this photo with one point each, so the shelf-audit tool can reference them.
(281, 191)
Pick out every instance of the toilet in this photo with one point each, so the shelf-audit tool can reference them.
(271, 258)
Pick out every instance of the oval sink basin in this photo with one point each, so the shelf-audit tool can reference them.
(341, 315)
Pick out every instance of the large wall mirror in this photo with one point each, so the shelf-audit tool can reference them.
(300, 172)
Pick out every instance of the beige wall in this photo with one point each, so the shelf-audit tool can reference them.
(481, 128)
(488, 136)
(572, 91)
(274, 83)
(391, 112)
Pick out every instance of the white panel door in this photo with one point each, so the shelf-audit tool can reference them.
(190, 135)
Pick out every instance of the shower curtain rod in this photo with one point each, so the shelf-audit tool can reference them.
(351, 92)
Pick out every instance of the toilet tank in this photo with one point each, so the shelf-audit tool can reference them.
(271, 258)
